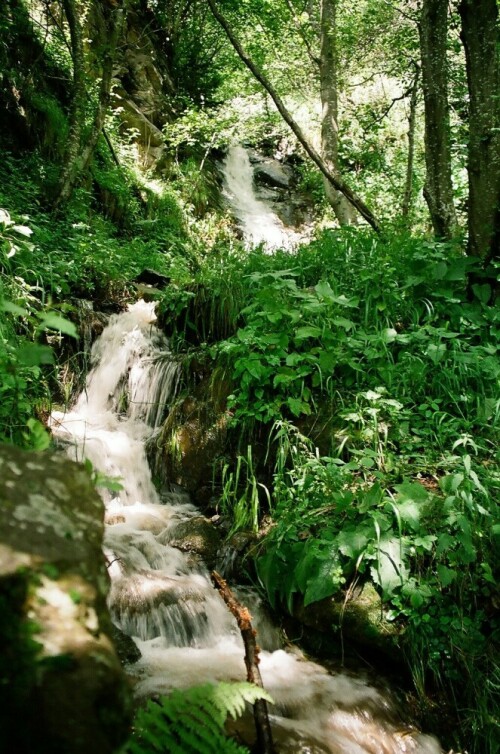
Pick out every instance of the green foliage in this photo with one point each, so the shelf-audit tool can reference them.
(380, 343)
(24, 357)
(192, 721)
(240, 496)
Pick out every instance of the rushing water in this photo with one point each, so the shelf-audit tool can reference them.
(258, 223)
(163, 597)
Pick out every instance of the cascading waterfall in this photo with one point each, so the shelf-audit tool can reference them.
(259, 224)
(163, 597)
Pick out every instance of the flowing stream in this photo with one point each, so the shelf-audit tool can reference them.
(163, 597)
(258, 223)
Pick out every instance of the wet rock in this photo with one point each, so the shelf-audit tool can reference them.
(192, 438)
(359, 616)
(197, 535)
(271, 172)
(62, 688)
(151, 277)
(126, 648)
(230, 560)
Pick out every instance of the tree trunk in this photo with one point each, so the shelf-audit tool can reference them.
(480, 39)
(335, 180)
(412, 120)
(438, 190)
(115, 24)
(78, 99)
(79, 155)
(328, 66)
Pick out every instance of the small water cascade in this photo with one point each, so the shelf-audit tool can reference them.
(259, 224)
(163, 597)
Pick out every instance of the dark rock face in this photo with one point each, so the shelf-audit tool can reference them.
(276, 184)
(271, 172)
(62, 688)
(193, 436)
(197, 535)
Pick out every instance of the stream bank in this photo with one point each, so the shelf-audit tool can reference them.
(161, 595)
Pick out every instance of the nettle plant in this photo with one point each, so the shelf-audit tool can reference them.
(24, 357)
(292, 341)
(338, 520)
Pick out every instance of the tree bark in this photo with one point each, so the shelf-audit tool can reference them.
(243, 618)
(78, 99)
(412, 120)
(480, 38)
(334, 180)
(328, 67)
(79, 155)
(438, 189)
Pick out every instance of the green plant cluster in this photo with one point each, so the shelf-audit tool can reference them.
(192, 721)
(384, 353)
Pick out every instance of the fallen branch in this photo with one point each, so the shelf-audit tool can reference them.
(244, 620)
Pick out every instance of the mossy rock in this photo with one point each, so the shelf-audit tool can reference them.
(62, 688)
(360, 617)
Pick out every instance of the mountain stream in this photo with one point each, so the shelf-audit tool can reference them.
(163, 597)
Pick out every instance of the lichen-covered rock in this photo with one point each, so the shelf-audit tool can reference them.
(62, 688)
(359, 616)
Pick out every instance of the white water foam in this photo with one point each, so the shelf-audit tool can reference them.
(258, 223)
(163, 597)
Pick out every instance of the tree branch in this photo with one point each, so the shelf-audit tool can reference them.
(335, 180)
(243, 618)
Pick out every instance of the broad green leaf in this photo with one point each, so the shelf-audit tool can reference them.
(33, 354)
(482, 292)
(390, 570)
(412, 491)
(23, 230)
(11, 308)
(346, 324)
(352, 542)
(327, 361)
(446, 575)
(53, 321)
(309, 331)
(324, 290)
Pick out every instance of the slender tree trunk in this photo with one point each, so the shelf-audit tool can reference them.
(78, 155)
(336, 181)
(328, 67)
(78, 99)
(116, 24)
(480, 37)
(412, 121)
(438, 190)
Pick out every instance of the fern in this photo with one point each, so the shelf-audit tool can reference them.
(192, 721)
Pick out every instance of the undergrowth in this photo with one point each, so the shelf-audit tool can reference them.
(192, 721)
(372, 366)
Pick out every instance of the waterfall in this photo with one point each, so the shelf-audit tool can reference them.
(259, 224)
(163, 597)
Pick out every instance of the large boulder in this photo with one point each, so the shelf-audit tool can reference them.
(62, 688)
(359, 616)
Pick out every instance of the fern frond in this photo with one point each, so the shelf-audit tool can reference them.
(230, 698)
(192, 721)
